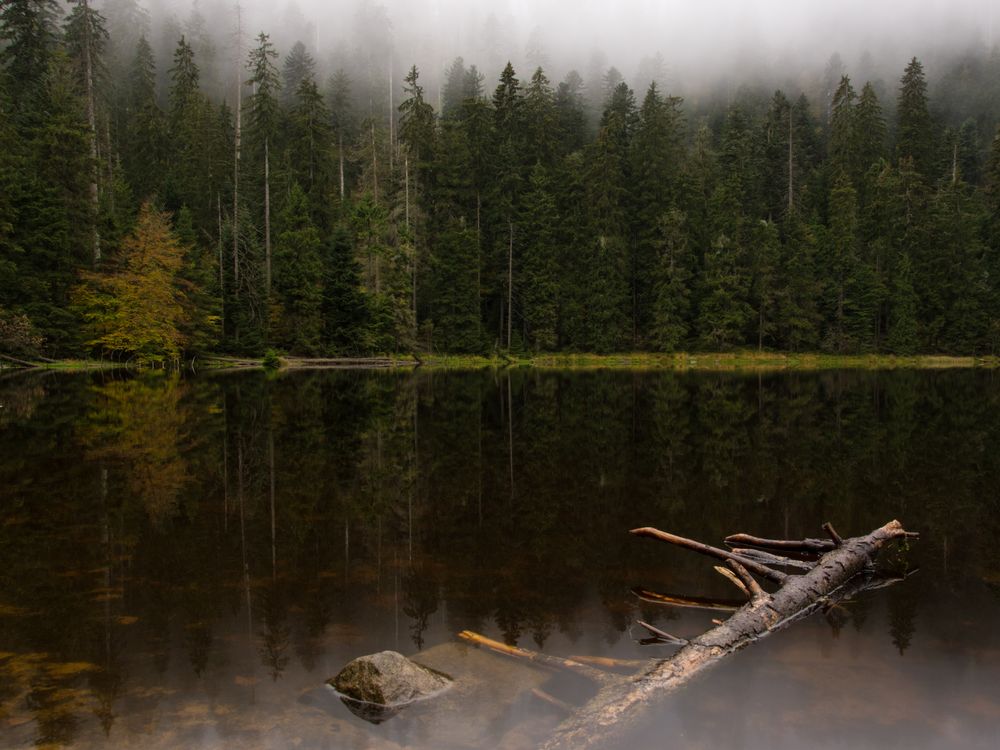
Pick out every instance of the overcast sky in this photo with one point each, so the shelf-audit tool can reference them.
(713, 36)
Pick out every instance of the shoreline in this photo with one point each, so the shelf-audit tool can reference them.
(679, 362)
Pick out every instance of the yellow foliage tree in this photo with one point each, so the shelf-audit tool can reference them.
(138, 308)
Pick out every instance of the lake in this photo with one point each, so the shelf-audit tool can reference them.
(185, 560)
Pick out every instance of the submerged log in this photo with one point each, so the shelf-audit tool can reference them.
(843, 570)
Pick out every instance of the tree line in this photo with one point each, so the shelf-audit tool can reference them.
(146, 219)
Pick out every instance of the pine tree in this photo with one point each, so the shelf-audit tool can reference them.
(991, 226)
(869, 138)
(143, 147)
(902, 322)
(850, 301)
(915, 130)
(798, 316)
(539, 287)
(656, 163)
(456, 302)
(309, 147)
(454, 91)
(263, 127)
(571, 114)
(299, 66)
(27, 39)
(672, 275)
(298, 272)
(611, 325)
(85, 40)
(724, 311)
(539, 121)
(843, 127)
(507, 184)
(765, 256)
(345, 311)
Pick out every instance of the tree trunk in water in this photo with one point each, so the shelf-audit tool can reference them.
(621, 705)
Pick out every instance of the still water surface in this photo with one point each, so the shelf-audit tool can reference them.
(185, 560)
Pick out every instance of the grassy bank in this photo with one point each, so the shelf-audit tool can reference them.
(727, 361)
(713, 361)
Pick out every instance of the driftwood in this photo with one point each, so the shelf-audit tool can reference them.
(842, 569)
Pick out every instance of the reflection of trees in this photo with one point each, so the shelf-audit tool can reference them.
(313, 492)
(139, 424)
(902, 603)
(274, 638)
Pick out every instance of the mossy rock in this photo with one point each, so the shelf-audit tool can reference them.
(388, 679)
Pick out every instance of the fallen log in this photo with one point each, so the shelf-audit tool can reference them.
(620, 706)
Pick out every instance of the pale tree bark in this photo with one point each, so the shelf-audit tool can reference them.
(791, 175)
(510, 278)
(837, 570)
(267, 215)
(88, 74)
(236, 155)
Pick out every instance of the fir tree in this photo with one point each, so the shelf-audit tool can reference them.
(27, 38)
(672, 274)
(345, 311)
(915, 131)
(539, 283)
(298, 274)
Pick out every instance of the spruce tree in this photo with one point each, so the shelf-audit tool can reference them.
(298, 274)
(539, 121)
(539, 283)
(299, 66)
(144, 145)
(455, 308)
(27, 39)
(263, 127)
(656, 164)
(915, 130)
(902, 321)
(672, 275)
(843, 127)
(345, 313)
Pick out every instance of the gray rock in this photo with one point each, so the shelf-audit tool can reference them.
(388, 679)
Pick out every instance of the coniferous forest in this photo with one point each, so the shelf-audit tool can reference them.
(199, 189)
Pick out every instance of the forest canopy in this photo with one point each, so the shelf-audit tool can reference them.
(196, 188)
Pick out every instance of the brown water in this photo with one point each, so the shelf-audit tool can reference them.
(185, 561)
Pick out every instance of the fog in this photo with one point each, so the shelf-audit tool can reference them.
(684, 45)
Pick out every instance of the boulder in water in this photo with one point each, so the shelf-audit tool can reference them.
(388, 679)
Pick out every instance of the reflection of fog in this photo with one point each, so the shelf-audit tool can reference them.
(206, 544)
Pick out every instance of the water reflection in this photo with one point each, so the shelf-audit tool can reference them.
(182, 559)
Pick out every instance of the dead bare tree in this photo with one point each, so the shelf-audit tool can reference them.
(830, 571)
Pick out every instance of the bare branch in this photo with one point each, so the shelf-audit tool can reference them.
(546, 660)
(689, 602)
(810, 546)
(762, 570)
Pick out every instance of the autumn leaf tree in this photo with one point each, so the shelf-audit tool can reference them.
(139, 308)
